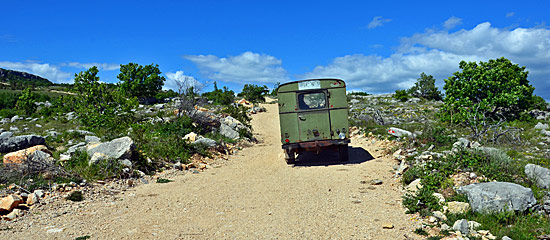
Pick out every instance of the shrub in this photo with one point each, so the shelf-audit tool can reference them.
(401, 95)
(495, 89)
(26, 100)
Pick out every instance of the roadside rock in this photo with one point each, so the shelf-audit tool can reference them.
(120, 148)
(399, 132)
(227, 131)
(22, 155)
(9, 203)
(498, 196)
(538, 174)
(32, 199)
(205, 141)
(14, 214)
(458, 207)
(16, 143)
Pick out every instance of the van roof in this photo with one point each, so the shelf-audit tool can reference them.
(294, 85)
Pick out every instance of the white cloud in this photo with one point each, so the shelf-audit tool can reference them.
(510, 14)
(248, 67)
(438, 54)
(100, 66)
(45, 70)
(174, 80)
(377, 21)
(452, 22)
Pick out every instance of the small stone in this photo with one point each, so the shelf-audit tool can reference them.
(14, 214)
(445, 227)
(473, 175)
(506, 238)
(387, 226)
(432, 219)
(439, 215)
(32, 199)
(461, 226)
(376, 182)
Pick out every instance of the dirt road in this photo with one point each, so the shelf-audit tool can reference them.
(255, 196)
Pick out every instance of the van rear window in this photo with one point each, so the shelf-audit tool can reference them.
(308, 101)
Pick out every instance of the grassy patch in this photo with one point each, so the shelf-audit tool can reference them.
(164, 180)
(103, 169)
(514, 225)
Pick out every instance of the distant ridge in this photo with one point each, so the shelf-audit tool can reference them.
(22, 78)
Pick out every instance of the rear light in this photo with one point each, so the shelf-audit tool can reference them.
(286, 140)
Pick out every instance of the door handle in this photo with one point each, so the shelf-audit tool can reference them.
(302, 118)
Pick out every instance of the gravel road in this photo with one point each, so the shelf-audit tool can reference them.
(256, 195)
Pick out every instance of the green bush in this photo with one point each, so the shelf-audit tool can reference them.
(490, 90)
(401, 95)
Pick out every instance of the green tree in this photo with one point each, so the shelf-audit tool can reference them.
(99, 105)
(489, 90)
(140, 81)
(254, 93)
(425, 88)
(26, 101)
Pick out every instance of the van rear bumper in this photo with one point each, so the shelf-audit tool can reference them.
(308, 146)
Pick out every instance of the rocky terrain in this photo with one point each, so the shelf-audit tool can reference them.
(246, 190)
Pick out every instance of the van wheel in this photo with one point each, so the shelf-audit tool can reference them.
(290, 157)
(343, 152)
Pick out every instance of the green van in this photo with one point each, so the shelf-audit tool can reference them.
(313, 115)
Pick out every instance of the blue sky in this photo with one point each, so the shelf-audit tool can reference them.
(376, 46)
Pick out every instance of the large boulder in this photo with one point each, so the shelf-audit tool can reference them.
(227, 131)
(498, 196)
(21, 156)
(120, 148)
(10, 144)
(539, 175)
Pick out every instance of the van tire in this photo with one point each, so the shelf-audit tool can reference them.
(343, 153)
(290, 157)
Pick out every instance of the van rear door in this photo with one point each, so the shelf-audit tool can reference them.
(313, 115)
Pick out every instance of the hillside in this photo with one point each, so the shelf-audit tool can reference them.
(21, 79)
